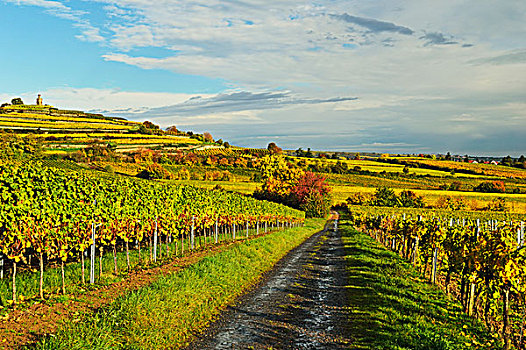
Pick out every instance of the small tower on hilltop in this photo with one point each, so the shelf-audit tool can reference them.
(39, 100)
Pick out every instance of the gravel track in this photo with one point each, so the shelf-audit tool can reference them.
(301, 304)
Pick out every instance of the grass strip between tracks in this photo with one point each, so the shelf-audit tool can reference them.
(393, 307)
(167, 313)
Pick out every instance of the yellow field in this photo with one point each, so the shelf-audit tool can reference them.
(240, 187)
(377, 167)
(135, 141)
(35, 124)
(517, 202)
(47, 118)
(107, 135)
(485, 169)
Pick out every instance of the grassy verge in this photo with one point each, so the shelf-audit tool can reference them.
(167, 313)
(394, 308)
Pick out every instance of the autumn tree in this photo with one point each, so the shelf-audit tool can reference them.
(172, 130)
(286, 183)
(149, 128)
(311, 194)
(208, 137)
(274, 149)
(278, 176)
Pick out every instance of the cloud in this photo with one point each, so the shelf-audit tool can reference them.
(374, 25)
(466, 117)
(234, 102)
(436, 38)
(516, 57)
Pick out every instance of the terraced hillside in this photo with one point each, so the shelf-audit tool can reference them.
(66, 131)
(49, 118)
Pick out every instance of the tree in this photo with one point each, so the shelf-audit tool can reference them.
(409, 199)
(278, 175)
(208, 137)
(507, 161)
(300, 152)
(339, 167)
(311, 194)
(172, 130)
(491, 187)
(149, 128)
(13, 146)
(154, 171)
(274, 149)
(385, 197)
(17, 101)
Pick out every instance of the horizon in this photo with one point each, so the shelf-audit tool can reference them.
(404, 77)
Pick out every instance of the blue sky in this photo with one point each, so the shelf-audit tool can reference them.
(397, 76)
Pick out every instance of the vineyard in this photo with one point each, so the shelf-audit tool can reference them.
(231, 152)
(481, 260)
(51, 216)
(467, 168)
(62, 132)
(41, 117)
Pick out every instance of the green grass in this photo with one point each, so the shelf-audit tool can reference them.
(394, 308)
(170, 311)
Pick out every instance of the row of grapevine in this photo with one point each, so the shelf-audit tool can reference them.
(52, 214)
(482, 262)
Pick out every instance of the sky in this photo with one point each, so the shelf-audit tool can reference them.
(406, 76)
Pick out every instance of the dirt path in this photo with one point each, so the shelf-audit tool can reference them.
(301, 304)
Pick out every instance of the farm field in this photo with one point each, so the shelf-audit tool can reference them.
(443, 237)
(517, 202)
(237, 186)
(375, 166)
(478, 169)
(262, 175)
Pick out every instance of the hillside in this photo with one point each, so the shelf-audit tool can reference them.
(49, 118)
(65, 131)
